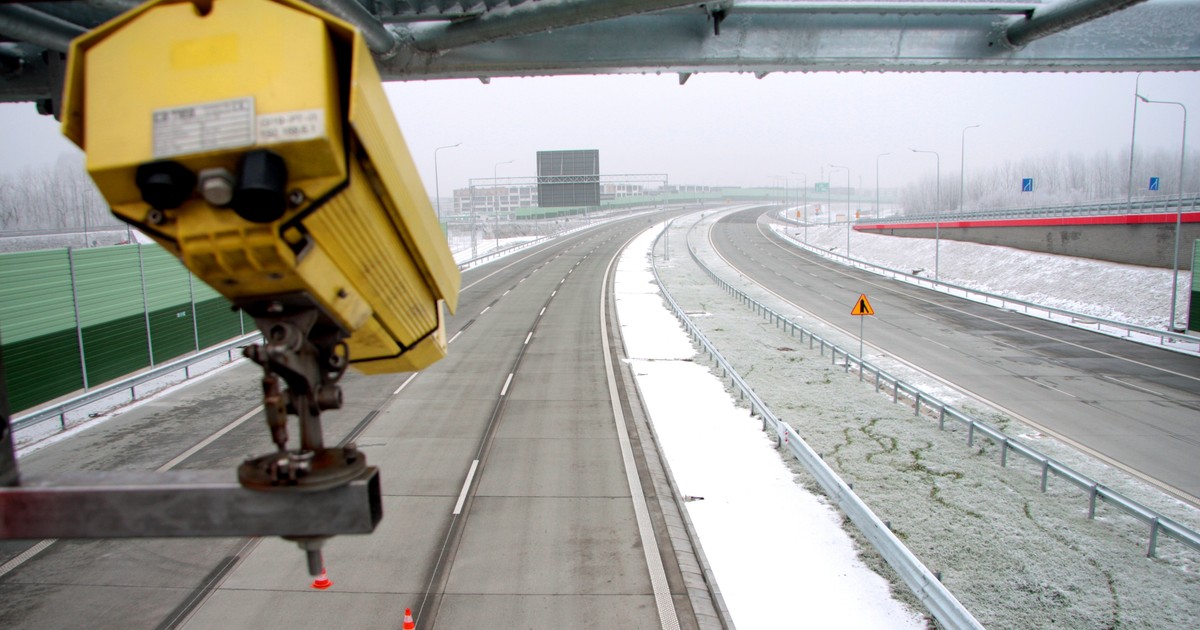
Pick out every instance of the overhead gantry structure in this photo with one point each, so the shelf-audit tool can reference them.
(483, 39)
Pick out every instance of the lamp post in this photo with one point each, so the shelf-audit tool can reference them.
(937, 243)
(1178, 209)
(877, 183)
(437, 188)
(805, 202)
(831, 167)
(1132, 136)
(496, 193)
(962, 168)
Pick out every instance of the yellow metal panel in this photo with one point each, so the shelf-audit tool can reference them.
(376, 128)
(277, 59)
(362, 243)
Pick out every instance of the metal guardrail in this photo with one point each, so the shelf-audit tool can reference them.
(922, 401)
(61, 409)
(1188, 204)
(1167, 340)
(940, 602)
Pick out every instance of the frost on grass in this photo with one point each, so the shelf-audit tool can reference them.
(1016, 557)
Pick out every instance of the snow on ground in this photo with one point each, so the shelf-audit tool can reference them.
(1126, 293)
(776, 549)
(1016, 557)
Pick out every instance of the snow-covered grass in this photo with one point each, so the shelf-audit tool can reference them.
(1125, 293)
(1015, 556)
(777, 550)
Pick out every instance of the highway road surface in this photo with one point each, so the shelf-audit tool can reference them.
(1133, 405)
(517, 492)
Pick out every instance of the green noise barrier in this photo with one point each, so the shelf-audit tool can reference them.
(72, 319)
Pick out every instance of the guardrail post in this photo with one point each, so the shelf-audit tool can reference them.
(1004, 453)
(1153, 537)
(942, 422)
(917, 403)
(970, 433)
(1092, 493)
(895, 391)
(1045, 473)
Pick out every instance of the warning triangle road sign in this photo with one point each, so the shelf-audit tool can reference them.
(862, 306)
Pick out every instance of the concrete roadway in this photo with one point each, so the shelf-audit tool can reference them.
(566, 521)
(1133, 405)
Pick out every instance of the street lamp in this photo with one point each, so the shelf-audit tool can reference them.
(877, 183)
(962, 167)
(1178, 209)
(805, 176)
(1132, 137)
(831, 167)
(937, 244)
(437, 189)
(496, 192)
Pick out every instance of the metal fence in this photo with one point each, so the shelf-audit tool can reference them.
(1173, 204)
(71, 319)
(936, 598)
(906, 393)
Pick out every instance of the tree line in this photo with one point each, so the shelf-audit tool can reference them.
(1058, 179)
(60, 197)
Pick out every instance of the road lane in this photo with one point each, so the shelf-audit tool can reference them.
(1133, 405)
(545, 533)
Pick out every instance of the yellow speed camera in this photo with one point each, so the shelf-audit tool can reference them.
(253, 139)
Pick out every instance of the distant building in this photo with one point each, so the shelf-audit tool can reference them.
(507, 199)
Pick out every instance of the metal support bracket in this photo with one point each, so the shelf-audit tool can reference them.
(182, 504)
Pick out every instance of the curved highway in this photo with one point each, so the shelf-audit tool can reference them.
(1133, 405)
(516, 491)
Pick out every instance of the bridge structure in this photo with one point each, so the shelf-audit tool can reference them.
(1139, 238)
(483, 39)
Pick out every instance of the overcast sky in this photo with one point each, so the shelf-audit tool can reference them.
(738, 130)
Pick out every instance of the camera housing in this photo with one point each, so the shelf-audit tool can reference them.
(254, 141)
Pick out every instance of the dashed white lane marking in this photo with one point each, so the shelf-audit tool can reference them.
(462, 496)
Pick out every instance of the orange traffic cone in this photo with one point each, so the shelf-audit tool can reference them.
(409, 624)
(322, 582)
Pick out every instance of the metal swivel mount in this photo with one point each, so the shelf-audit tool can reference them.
(311, 358)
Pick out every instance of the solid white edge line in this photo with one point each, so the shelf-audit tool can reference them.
(178, 459)
(409, 379)
(462, 496)
(654, 564)
(26, 555)
(507, 382)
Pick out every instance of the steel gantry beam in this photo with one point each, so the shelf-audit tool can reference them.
(433, 39)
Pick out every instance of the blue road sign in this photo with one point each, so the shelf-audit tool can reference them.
(1027, 184)
(1153, 183)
